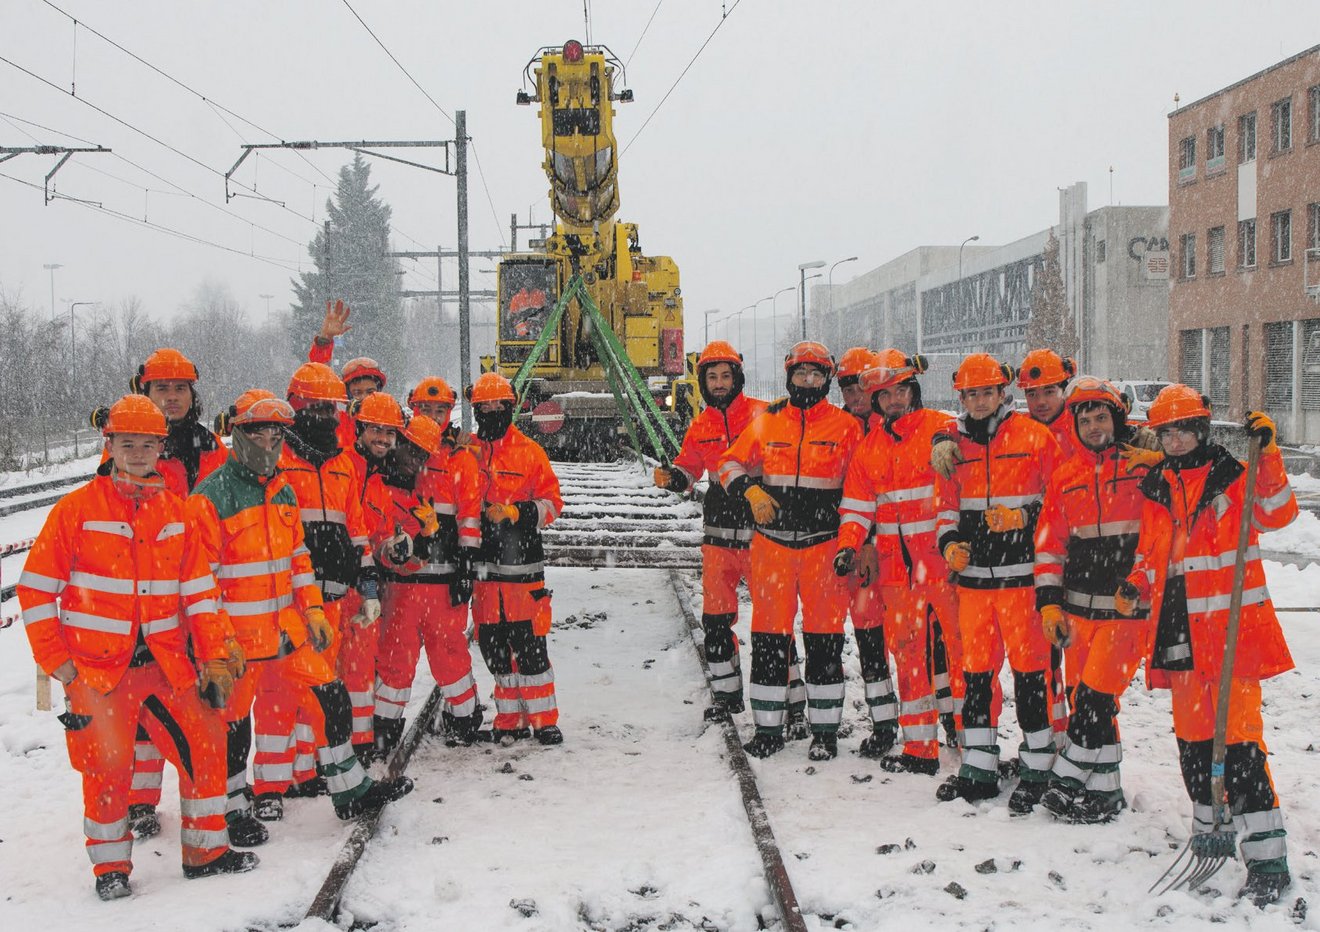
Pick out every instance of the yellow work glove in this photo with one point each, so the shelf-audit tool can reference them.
(1127, 598)
(496, 513)
(957, 555)
(1145, 438)
(426, 515)
(661, 477)
(1140, 456)
(318, 629)
(215, 684)
(237, 659)
(944, 458)
(1055, 625)
(764, 506)
(1260, 426)
(1001, 519)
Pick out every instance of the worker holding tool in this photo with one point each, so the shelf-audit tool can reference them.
(1184, 580)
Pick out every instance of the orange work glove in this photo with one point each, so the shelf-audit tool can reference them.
(318, 629)
(1126, 599)
(1055, 625)
(661, 477)
(764, 506)
(957, 555)
(237, 660)
(1260, 426)
(496, 513)
(426, 515)
(1139, 456)
(944, 458)
(215, 684)
(1001, 519)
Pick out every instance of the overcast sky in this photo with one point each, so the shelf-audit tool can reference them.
(803, 131)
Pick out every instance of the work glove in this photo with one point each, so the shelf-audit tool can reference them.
(1127, 598)
(1002, 519)
(399, 549)
(868, 566)
(1141, 456)
(844, 561)
(367, 614)
(237, 660)
(944, 458)
(1145, 438)
(336, 322)
(460, 590)
(675, 480)
(501, 514)
(66, 672)
(426, 515)
(957, 555)
(1055, 625)
(215, 684)
(764, 506)
(318, 629)
(1260, 426)
(662, 477)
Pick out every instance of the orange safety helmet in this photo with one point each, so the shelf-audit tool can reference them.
(1045, 367)
(364, 367)
(380, 409)
(315, 381)
(809, 351)
(719, 351)
(1087, 389)
(432, 388)
(490, 386)
(980, 370)
(134, 414)
(890, 368)
(164, 364)
(1176, 403)
(258, 406)
(425, 433)
(854, 362)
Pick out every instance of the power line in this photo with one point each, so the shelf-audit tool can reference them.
(647, 122)
(643, 35)
(396, 61)
(499, 228)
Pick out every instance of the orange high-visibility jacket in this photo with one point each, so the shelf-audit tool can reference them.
(516, 471)
(250, 533)
(334, 528)
(452, 484)
(120, 572)
(1086, 536)
(891, 487)
(1064, 429)
(211, 455)
(1189, 528)
(389, 508)
(727, 519)
(801, 457)
(1009, 469)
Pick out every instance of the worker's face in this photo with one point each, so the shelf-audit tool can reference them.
(1177, 439)
(855, 400)
(1095, 427)
(438, 411)
(377, 440)
(1044, 402)
(490, 407)
(172, 396)
(809, 376)
(135, 454)
(894, 401)
(361, 388)
(982, 402)
(266, 436)
(719, 380)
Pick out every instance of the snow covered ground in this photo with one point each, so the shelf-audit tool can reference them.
(635, 822)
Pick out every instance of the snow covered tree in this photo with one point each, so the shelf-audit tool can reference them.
(351, 265)
(1051, 324)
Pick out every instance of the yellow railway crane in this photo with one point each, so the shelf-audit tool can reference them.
(548, 340)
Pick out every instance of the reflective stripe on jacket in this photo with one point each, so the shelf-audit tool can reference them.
(516, 471)
(452, 483)
(727, 518)
(330, 507)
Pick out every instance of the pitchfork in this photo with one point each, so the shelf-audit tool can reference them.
(1206, 852)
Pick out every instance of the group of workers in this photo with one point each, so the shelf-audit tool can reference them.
(1065, 539)
(206, 604)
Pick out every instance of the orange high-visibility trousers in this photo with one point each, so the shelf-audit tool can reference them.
(512, 621)
(417, 615)
(100, 731)
(911, 617)
(359, 645)
(782, 577)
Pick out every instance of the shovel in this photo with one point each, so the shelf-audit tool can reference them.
(1206, 852)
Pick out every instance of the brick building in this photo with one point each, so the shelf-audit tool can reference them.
(1244, 226)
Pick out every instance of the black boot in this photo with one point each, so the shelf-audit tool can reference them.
(1095, 807)
(375, 798)
(308, 789)
(957, 787)
(910, 763)
(1060, 796)
(824, 746)
(268, 807)
(797, 728)
(245, 831)
(550, 734)
(1262, 888)
(880, 741)
(143, 821)
(366, 753)
(507, 736)
(764, 744)
(462, 729)
(725, 705)
(1025, 796)
(113, 886)
(231, 862)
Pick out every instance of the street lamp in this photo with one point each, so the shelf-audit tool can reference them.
(802, 290)
(267, 297)
(51, 268)
(837, 323)
(713, 310)
(756, 342)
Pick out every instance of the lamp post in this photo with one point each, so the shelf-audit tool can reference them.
(838, 324)
(73, 358)
(802, 290)
(51, 268)
(267, 297)
(713, 310)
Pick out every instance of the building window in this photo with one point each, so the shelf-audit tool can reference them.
(1281, 223)
(1219, 363)
(1215, 248)
(1247, 137)
(1279, 365)
(1281, 114)
(1187, 159)
(1189, 354)
(1310, 378)
(1100, 248)
(1189, 255)
(1313, 107)
(1313, 230)
(1247, 244)
(1214, 148)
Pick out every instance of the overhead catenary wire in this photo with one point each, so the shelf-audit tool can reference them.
(645, 28)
